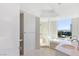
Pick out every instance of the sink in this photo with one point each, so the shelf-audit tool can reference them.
(68, 46)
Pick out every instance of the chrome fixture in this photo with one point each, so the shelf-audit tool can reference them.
(75, 40)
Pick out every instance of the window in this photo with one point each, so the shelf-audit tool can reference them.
(64, 27)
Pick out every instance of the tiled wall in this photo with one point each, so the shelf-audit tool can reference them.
(9, 29)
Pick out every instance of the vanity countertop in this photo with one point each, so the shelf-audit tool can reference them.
(70, 52)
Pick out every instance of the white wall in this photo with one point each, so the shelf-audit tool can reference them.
(53, 29)
(30, 36)
(75, 26)
(9, 29)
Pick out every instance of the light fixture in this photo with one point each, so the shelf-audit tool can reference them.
(59, 3)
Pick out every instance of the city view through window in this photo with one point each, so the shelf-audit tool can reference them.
(64, 27)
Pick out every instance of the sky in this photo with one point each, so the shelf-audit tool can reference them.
(64, 23)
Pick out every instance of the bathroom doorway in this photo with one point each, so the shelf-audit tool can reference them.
(21, 34)
(44, 32)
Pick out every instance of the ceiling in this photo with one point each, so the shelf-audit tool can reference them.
(51, 9)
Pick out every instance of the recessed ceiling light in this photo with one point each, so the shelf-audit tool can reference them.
(59, 3)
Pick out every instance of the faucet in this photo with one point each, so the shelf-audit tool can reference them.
(76, 40)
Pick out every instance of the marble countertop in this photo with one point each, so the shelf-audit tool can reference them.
(70, 52)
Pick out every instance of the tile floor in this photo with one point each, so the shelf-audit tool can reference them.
(41, 52)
